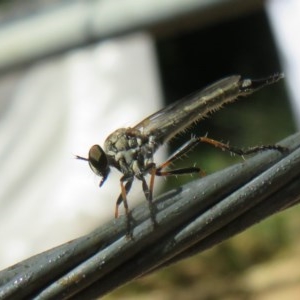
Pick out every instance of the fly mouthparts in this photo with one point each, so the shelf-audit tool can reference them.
(81, 158)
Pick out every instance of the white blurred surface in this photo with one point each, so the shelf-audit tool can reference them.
(60, 108)
(284, 16)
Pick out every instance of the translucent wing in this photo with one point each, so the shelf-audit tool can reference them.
(169, 121)
(174, 118)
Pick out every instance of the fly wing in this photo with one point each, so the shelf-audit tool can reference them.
(176, 117)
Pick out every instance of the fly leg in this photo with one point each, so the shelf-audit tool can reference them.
(148, 191)
(123, 198)
(241, 152)
(176, 155)
(194, 141)
(153, 170)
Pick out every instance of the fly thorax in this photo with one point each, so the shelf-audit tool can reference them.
(129, 151)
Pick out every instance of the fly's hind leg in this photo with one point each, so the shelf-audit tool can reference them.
(241, 152)
(194, 141)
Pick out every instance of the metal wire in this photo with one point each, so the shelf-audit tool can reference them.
(189, 219)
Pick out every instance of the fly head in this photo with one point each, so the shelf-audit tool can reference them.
(98, 162)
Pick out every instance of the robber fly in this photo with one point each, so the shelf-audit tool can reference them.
(131, 150)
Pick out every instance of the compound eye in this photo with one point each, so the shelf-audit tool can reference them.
(98, 160)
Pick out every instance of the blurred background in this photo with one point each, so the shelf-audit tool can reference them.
(71, 72)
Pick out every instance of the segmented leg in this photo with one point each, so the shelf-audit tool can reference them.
(194, 141)
(176, 155)
(148, 191)
(123, 196)
(154, 170)
(226, 147)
